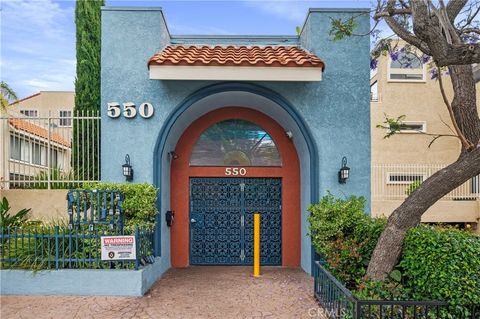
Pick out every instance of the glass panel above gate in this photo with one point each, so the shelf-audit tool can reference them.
(235, 143)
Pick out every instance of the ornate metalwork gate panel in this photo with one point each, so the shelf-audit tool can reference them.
(264, 195)
(215, 221)
(221, 220)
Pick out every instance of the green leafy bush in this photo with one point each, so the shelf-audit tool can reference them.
(140, 203)
(442, 264)
(437, 263)
(35, 247)
(7, 220)
(344, 236)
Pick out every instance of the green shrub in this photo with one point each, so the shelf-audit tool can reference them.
(34, 247)
(344, 236)
(436, 264)
(7, 220)
(140, 203)
(442, 264)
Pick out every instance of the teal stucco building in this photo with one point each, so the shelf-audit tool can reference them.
(226, 126)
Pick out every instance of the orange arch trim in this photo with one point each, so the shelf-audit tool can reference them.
(181, 171)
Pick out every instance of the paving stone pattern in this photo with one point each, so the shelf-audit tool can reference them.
(194, 292)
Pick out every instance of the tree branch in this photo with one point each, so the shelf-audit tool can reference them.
(391, 13)
(454, 7)
(470, 30)
(437, 137)
(465, 143)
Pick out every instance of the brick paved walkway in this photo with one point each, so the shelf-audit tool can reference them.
(195, 292)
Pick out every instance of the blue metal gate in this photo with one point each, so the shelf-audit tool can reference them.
(221, 220)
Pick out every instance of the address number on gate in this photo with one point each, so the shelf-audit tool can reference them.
(114, 110)
(235, 171)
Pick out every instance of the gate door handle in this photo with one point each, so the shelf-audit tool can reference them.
(193, 220)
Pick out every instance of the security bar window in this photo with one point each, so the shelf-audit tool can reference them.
(399, 178)
(65, 118)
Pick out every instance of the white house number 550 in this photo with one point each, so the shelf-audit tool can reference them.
(129, 110)
(235, 171)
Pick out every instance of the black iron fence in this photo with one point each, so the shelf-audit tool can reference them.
(40, 247)
(339, 303)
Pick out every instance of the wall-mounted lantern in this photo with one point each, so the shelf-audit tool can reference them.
(169, 217)
(127, 169)
(344, 172)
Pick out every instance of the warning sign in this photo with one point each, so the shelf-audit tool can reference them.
(118, 248)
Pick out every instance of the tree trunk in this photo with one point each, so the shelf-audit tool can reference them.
(389, 247)
(408, 215)
(430, 37)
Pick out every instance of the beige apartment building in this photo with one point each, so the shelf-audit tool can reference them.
(36, 135)
(405, 87)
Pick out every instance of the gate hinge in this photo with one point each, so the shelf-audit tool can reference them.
(242, 187)
(242, 254)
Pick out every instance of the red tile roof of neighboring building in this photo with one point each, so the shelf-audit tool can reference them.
(271, 56)
(36, 130)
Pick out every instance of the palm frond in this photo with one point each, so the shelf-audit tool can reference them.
(7, 92)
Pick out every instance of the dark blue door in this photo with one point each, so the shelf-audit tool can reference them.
(221, 220)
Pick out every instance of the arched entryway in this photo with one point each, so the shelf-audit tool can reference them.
(192, 177)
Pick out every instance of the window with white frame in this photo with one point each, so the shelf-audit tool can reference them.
(29, 113)
(406, 66)
(413, 127)
(374, 92)
(19, 149)
(56, 159)
(65, 118)
(39, 155)
(401, 178)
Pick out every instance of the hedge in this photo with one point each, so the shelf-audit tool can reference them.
(140, 203)
(436, 263)
(442, 264)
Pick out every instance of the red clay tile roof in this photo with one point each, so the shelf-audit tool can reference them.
(275, 56)
(36, 130)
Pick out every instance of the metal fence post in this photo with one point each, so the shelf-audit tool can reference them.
(357, 309)
(49, 150)
(57, 249)
(137, 248)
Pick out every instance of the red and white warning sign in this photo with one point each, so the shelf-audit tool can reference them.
(118, 247)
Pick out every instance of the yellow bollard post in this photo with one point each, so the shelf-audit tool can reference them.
(256, 245)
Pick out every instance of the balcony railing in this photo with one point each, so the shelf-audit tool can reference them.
(397, 181)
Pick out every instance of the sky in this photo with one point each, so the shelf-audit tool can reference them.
(37, 37)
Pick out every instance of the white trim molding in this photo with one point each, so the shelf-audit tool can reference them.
(235, 73)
